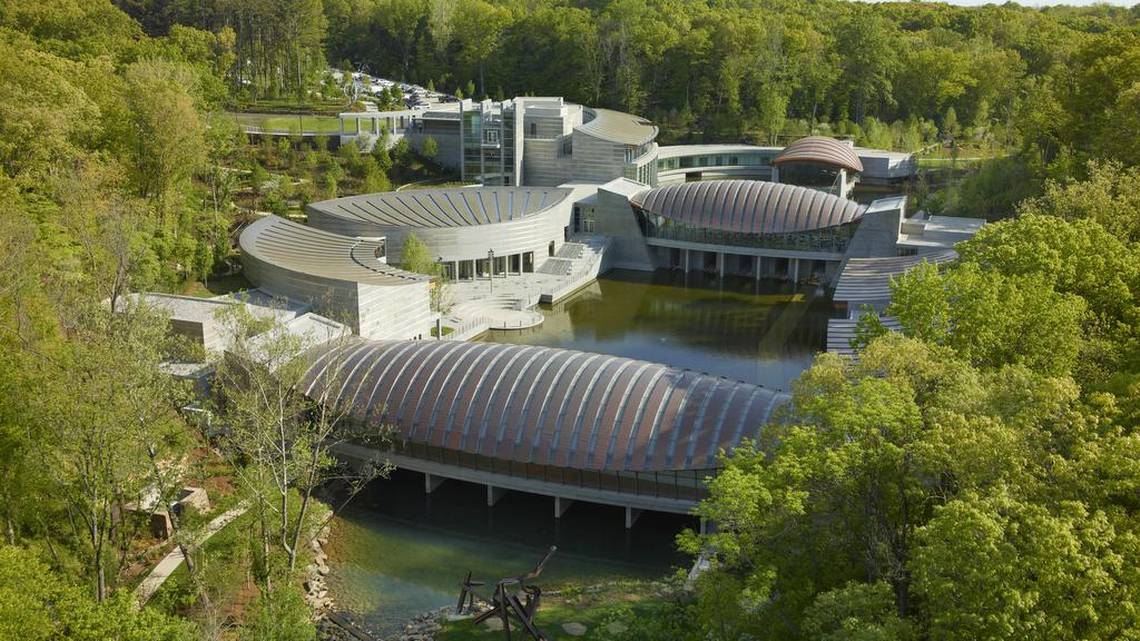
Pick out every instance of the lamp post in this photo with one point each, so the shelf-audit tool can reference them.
(491, 270)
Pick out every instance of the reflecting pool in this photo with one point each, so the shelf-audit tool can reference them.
(758, 332)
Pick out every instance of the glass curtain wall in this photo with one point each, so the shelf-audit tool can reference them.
(831, 239)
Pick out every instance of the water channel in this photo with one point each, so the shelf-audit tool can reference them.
(397, 551)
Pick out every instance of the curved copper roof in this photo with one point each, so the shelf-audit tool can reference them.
(448, 207)
(617, 126)
(821, 149)
(306, 250)
(543, 405)
(749, 206)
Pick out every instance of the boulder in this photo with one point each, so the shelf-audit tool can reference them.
(574, 629)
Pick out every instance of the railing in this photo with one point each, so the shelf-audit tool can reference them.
(460, 332)
(685, 485)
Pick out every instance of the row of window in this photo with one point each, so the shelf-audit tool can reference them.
(480, 267)
(682, 484)
(750, 159)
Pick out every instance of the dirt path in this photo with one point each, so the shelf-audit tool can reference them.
(171, 561)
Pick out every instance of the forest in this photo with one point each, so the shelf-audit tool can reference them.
(975, 477)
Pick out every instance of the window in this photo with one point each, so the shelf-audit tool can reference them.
(534, 129)
(550, 249)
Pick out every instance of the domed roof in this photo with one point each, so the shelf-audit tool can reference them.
(306, 250)
(821, 149)
(542, 405)
(444, 207)
(618, 126)
(748, 206)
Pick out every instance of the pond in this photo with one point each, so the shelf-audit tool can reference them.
(759, 332)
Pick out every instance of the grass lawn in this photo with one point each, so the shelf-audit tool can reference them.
(291, 105)
(307, 123)
(605, 613)
(436, 185)
(217, 286)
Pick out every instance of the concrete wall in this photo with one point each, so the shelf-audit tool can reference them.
(395, 312)
(597, 160)
(878, 232)
(615, 218)
(446, 134)
(533, 233)
(332, 298)
(543, 163)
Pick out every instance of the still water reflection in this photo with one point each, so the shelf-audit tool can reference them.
(397, 551)
(765, 333)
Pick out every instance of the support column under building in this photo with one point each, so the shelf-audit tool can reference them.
(432, 482)
(631, 515)
(561, 505)
(720, 264)
(686, 261)
(795, 270)
(494, 494)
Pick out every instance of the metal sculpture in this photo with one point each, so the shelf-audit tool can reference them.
(512, 596)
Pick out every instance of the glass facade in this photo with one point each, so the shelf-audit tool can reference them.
(489, 143)
(680, 484)
(831, 239)
(740, 159)
(807, 174)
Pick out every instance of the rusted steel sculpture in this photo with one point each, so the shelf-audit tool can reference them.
(512, 596)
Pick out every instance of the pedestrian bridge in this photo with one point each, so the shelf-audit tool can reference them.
(567, 424)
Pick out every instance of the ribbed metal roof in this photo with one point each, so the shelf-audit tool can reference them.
(841, 331)
(750, 206)
(449, 207)
(543, 405)
(821, 149)
(868, 280)
(306, 250)
(617, 126)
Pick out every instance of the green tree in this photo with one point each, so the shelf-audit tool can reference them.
(36, 604)
(990, 319)
(281, 432)
(166, 135)
(1000, 568)
(281, 615)
(864, 611)
(868, 42)
(1110, 195)
(105, 412)
(430, 148)
(416, 257)
(478, 26)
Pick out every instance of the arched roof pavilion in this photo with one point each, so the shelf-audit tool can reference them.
(542, 405)
(445, 207)
(748, 206)
(820, 150)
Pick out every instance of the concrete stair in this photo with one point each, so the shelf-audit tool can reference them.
(557, 267)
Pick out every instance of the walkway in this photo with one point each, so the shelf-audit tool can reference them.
(509, 302)
(171, 561)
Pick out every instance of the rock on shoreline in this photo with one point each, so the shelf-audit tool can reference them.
(316, 586)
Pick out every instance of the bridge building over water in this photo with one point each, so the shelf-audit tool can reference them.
(572, 425)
